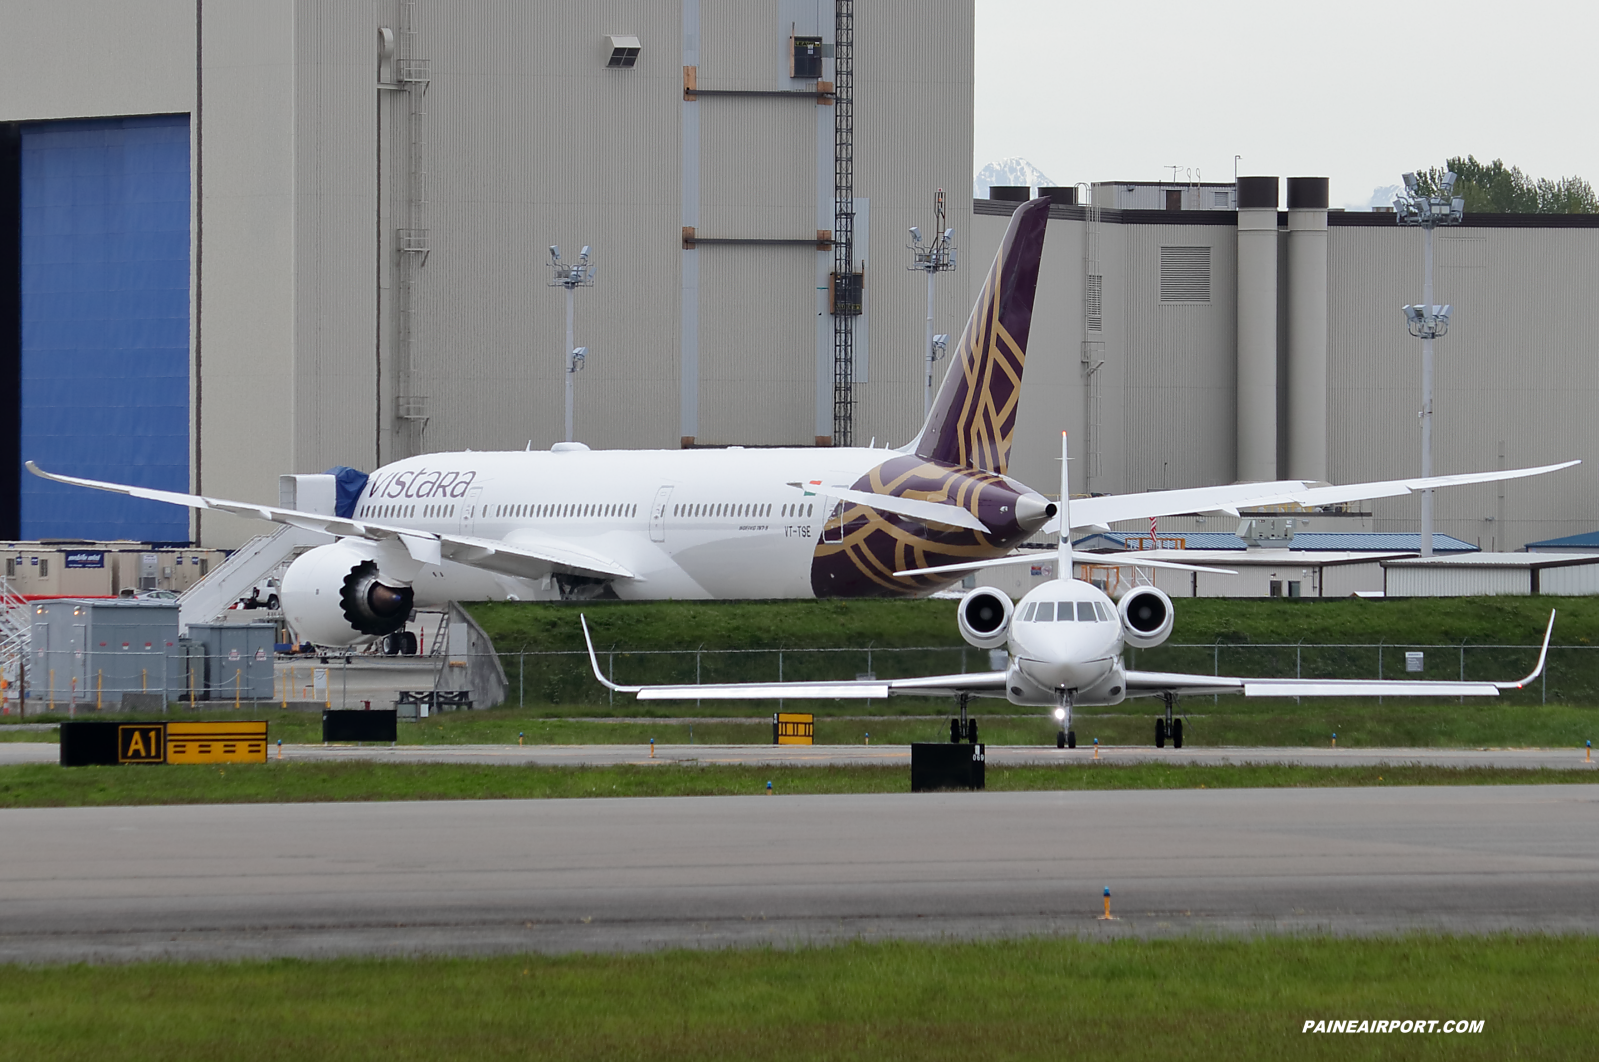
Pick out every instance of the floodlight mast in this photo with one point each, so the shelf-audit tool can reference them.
(932, 258)
(1427, 321)
(571, 277)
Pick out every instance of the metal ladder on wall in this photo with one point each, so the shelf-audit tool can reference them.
(1093, 342)
(412, 242)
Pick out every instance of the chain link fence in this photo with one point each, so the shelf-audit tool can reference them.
(552, 677)
(544, 677)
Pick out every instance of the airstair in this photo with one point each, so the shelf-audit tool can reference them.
(15, 626)
(249, 565)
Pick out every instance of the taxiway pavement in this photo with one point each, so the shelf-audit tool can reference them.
(483, 876)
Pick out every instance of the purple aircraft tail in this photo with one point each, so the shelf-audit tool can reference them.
(974, 415)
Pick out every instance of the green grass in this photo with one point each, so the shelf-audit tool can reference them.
(824, 624)
(1042, 998)
(47, 785)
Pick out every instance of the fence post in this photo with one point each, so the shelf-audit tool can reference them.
(1215, 668)
(1462, 666)
(610, 660)
(521, 678)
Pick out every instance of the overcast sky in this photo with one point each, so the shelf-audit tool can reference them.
(1342, 90)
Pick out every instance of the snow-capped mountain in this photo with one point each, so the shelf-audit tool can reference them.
(1012, 171)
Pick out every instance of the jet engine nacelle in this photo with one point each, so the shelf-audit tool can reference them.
(1147, 616)
(984, 617)
(338, 595)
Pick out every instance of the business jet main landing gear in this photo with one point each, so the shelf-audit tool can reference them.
(1067, 737)
(963, 728)
(1168, 726)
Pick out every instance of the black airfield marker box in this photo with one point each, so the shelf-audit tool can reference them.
(379, 724)
(88, 744)
(939, 765)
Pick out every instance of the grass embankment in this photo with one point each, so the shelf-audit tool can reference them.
(46, 785)
(1045, 999)
(740, 641)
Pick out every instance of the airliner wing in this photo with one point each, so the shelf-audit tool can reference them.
(529, 556)
(1131, 559)
(978, 684)
(1153, 683)
(1101, 512)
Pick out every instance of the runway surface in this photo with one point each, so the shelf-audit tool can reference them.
(482, 876)
(882, 755)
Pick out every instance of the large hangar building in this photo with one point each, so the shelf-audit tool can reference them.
(242, 240)
(249, 239)
(1198, 344)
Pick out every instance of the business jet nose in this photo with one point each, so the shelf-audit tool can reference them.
(1034, 511)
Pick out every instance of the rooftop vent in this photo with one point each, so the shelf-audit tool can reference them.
(1184, 274)
(624, 52)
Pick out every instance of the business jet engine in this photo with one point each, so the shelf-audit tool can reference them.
(339, 594)
(984, 617)
(1147, 616)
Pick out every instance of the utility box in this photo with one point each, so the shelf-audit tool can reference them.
(87, 653)
(237, 660)
(936, 765)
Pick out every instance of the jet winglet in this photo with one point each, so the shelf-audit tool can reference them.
(594, 661)
(1543, 655)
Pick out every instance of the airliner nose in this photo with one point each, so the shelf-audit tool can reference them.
(1034, 511)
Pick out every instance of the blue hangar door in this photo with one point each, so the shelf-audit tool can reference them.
(103, 359)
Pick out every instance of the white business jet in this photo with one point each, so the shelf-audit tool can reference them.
(1065, 641)
(571, 523)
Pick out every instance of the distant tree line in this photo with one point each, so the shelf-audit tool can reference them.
(1494, 188)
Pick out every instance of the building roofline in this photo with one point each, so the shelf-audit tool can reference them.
(1348, 219)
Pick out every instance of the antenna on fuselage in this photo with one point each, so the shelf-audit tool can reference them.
(1063, 551)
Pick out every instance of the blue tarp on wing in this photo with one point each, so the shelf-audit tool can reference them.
(105, 323)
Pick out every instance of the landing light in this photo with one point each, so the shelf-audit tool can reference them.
(1060, 713)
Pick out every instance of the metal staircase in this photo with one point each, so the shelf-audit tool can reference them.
(15, 627)
(207, 599)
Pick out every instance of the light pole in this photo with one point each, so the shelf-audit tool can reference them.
(1427, 321)
(933, 258)
(571, 277)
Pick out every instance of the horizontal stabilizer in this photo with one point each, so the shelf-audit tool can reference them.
(1230, 498)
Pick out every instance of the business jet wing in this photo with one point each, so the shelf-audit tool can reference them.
(1102, 512)
(1154, 683)
(978, 684)
(526, 555)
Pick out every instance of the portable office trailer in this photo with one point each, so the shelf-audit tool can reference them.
(93, 653)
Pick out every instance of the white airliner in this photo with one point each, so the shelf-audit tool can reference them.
(571, 523)
(1065, 641)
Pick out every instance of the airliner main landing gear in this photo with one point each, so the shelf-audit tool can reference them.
(1067, 737)
(1168, 725)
